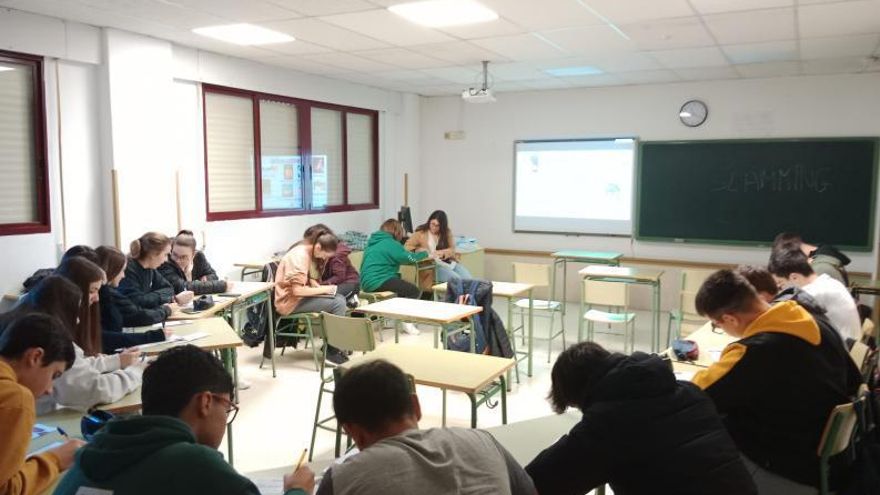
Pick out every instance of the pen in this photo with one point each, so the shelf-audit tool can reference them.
(63, 433)
(302, 457)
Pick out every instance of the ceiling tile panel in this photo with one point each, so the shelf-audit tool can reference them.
(707, 73)
(776, 51)
(840, 19)
(669, 34)
(459, 53)
(631, 11)
(709, 56)
(402, 57)
(324, 7)
(718, 6)
(535, 15)
(591, 40)
(521, 47)
(383, 25)
(752, 27)
(321, 33)
(848, 46)
(769, 69)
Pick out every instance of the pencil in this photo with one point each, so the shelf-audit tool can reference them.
(302, 458)
(62, 432)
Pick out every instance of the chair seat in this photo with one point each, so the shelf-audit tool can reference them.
(385, 294)
(537, 304)
(604, 317)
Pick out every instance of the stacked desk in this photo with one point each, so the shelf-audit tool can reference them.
(577, 256)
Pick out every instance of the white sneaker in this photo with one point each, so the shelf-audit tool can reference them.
(243, 384)
(410, 329)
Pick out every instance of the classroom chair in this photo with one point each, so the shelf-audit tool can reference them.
(348, 335)
(686, 317)
(296, 325)
(868, 329)
(614, 295)
(840, 429)
(859, 353)
(357, 258)
(539, 276)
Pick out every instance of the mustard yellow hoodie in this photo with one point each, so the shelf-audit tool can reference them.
(776, 386)
(20, 476)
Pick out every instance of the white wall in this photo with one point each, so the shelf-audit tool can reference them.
(71, 50)
(479, 169)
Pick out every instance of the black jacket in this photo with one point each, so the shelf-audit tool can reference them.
(201, 268)
(146, 288)
(489, 327)
(118, 311)
(643, 432)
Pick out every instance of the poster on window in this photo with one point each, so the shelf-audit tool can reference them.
(282, 182)
(319, 181)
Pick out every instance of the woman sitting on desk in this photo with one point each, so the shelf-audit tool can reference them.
(118, 311)
(435, 238)
(188, 269)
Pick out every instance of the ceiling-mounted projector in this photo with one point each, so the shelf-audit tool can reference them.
(482, 94)
(478, 95)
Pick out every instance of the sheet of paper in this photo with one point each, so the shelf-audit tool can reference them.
(685, 376)
(715, 354)
(40, 430)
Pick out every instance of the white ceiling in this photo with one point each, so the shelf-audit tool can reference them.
(632, 41)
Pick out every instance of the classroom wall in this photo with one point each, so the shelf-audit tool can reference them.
(130, 103)
(479, 168)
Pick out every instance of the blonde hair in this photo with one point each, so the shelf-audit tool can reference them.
(148, 244)
(393, 227)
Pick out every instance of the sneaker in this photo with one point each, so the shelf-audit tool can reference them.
(243, 384)
(335, 357)
(353, 301)
(410, 329)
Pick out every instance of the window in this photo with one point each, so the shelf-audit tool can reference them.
(24, 200)
(268, 155)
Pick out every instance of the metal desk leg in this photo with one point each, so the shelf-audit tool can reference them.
(271, 331)
(512, 337)
(231, 364)
(396, 331)
(473, 335)
(503, 401)
(473, 399)
(564, 290)
(655, 323)
(531, 329)
(444, 408)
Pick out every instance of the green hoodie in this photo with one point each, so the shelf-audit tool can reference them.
(149, 455)
(382, 260)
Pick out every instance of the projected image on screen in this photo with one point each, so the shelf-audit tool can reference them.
(574, 186)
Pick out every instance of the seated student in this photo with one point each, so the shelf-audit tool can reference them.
(172, 448)
(777, 385)
(824, 258)
(143, 284)
(435, 238)
(296, 291)
(375, 404)
(92, 380)
(382, 259)
(187, 269)
(761, 279)
(78, 250)
(626, 401)
(118, 311)
(790, 267)
(34, 350)
(338, 270)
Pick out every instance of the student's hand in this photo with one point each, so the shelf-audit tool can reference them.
(229, 285)
(303, 478)
(168, 333)
(204, 278)
(329, 289)
(173, 307)
(128, 357)
(184, 297)
(66, 451)
(313, 283)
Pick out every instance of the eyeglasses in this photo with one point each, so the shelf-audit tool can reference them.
(715, 327)
(230, 408)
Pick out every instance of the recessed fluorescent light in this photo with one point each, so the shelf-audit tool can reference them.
(244, 34)
(585, 70)
(443, 13)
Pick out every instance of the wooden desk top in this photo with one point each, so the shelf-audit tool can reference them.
(418, 310)
(221, 336)
(576, 254)
(526, 439)
(620, 272)
(253, 264)
(450, 370)
(711, 344)
(246, 290)
(500, 289)
(220, 304)
(130, 404)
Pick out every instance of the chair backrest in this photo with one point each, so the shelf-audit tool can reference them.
(838, 432)
(859, 353)
(347, 333)
(688, 305)
(356, 258)
(606, 293)
(867, 330)
(692, 279)
(532, 273)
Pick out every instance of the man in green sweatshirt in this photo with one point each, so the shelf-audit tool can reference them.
(172, 448)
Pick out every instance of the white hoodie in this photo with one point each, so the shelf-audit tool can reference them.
(94, 380)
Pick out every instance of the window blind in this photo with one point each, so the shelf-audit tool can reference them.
(229, 137)
(327, 179)
(18, 179)
(359, 148)
(281, 167)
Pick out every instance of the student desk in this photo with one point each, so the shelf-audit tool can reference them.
(447, 370)
(526, 439)
(69, 420)
(628, 275)
(510, 291)
(252, 267)
(577, 256)
(221, 337)
(867, 286)
(710, 341)
(432, 313)
(221, 304)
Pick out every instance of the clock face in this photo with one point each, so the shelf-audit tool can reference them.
(693, 113)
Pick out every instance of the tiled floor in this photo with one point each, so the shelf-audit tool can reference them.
(275, 421)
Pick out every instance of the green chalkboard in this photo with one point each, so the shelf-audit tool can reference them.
(747, 191)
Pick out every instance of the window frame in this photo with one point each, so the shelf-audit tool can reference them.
(304, 130)
(43, 224)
